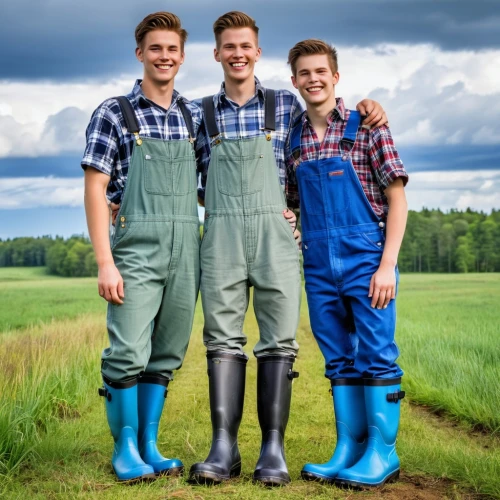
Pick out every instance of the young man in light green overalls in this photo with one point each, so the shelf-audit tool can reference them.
(247, 242)
(141, 153)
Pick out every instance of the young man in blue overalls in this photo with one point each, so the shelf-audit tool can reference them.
(140, 154)
(353, 211)
(247, 242)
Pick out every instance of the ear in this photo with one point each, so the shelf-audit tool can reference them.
(294, 82)
(259, 52)
(336, 78)
(139, 55)
(182, 58)
(216, 55)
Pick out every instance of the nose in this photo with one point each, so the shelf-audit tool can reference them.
(164, 54)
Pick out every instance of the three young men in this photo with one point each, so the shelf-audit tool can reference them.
(140, 150)
(353, 209)
(140, 154)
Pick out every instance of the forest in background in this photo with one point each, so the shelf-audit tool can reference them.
(435, 242)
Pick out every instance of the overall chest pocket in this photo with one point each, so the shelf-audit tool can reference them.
(241, 176)
(323, 193)
(165, 176)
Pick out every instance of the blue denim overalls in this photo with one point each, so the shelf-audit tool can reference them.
(343, 241)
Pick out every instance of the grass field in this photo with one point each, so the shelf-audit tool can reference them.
(54, 441)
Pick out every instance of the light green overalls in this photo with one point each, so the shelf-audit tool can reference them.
(247, 242)
(156, 250)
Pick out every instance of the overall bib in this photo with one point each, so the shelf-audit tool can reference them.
(247, 242)
(343, 241)
(156, 250)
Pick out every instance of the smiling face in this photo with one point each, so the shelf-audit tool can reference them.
(238, 51)
(162, 55)
(315, 80)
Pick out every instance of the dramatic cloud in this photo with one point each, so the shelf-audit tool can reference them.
(445, 190)
(70, 40)
(31, 192)
(433, 97)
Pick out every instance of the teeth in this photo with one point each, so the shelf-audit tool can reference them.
(314, 89)
(238, 65)
(164, 66)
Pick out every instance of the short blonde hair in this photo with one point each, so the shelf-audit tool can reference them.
(160, 21)
(234, 19)
(311, 47)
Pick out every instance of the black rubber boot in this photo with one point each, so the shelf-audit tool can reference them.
(226, 379)
(274, 391)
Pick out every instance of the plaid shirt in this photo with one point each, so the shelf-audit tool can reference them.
(109, 145)
(374, 157)
(245, 121)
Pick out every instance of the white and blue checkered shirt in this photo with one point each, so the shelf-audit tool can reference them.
(109, 145)
(246, 121)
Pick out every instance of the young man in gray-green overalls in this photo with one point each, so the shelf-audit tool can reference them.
(140, 153)
(247, 242)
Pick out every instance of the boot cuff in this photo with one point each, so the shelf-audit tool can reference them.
(227, 356)
(381, 382)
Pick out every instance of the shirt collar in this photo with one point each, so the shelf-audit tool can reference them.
(259, 90)
(141, 100)
(338, 111)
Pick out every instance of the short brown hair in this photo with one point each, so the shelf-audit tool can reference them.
(160, 21)
(234, 19)
(311, 47)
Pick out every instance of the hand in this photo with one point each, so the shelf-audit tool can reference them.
(110, 284)
(298, 238)
(375, 114)
(383, 286)
(291, 218)
(115, 208)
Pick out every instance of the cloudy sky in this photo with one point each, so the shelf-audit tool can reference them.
(433, 64)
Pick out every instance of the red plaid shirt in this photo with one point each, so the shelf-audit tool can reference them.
(374, 156)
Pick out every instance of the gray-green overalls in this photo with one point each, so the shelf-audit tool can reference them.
(156, 250)
(247, 242)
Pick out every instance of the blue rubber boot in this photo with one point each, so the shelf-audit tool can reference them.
(352, 431)
(380, 462)
(152, 391)
(121, 410)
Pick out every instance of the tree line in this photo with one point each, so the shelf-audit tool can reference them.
(71, 257)
(435, 242)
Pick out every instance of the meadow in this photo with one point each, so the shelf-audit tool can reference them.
(54, 441)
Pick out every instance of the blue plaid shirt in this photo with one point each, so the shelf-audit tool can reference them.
(245, 121)
(109, 145)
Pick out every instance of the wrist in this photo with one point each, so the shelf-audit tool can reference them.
(388, 263)
(101, 263)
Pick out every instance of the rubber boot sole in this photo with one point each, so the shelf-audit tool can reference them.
(355, 485)
(309, 476)
(146, 478)
(174, 471)
(209, 478)
(271, 481)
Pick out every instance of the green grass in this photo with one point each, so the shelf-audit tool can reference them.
(32, 297)
(54, 441)
(448, 333)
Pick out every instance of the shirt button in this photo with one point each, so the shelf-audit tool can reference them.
(122, 219)
(381, 224)
(379, 244)
(344, 158)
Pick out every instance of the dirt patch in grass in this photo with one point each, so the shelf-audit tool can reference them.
(419, 488)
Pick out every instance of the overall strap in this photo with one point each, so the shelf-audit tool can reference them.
(188, 119)
(351, 129)
(209, 115)
(270, 110)
(128, 115)
(295, 136)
